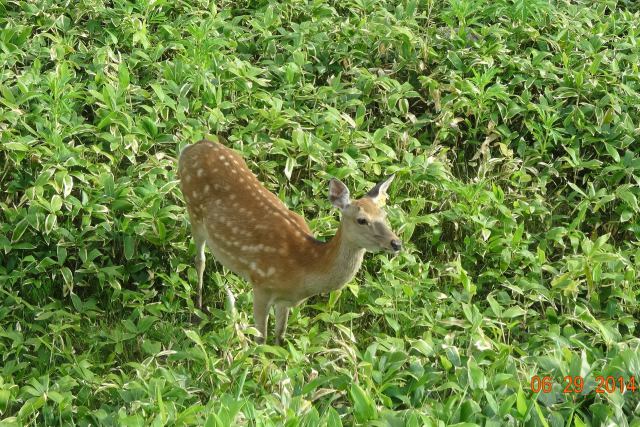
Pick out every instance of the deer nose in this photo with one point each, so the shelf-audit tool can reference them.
(396, 245)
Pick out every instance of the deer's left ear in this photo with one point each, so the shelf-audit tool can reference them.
(379, 193)
(339, 194)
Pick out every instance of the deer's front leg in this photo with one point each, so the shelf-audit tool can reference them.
(282, 316)
(261, 306)
(200, 263)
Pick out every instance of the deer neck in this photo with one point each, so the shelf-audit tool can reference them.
(337, 263)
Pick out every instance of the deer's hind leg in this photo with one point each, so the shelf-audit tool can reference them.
(282, 316)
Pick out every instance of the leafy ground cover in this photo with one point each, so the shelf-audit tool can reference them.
(512, 126)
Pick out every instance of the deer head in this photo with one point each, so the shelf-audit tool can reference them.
(364, 221)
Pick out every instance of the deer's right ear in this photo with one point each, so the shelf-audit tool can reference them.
(338, 194)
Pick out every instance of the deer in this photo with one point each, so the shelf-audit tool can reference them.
(251, 232)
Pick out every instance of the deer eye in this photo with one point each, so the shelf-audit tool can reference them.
(362, 221)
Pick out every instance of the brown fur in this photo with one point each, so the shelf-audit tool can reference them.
(251, 232)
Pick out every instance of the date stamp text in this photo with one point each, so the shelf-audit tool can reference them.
(575, 384)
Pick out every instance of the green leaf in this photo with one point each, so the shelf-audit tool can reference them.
(541, 417)
(50, 223)
(129, 247)
(517, 236)
(123, 77)
(521, 403)
(629, 198)
(68, 279)
(56, 203)
(577, 421)
(626, 215)
(31, 406)
(15, 146)
(5, 396)
(332, 418)
(513, 312)
(477, 379)
(364, 408)
(423, 347)
(19, 230)
(290, 163)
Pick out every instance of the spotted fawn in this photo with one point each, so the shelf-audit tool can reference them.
(250, 231)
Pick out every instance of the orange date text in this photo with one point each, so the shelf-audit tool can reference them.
(575, 384)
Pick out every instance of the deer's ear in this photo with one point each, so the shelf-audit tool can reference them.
(379, 193)
(339, 194)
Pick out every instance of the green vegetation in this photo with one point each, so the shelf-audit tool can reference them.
(512, 126)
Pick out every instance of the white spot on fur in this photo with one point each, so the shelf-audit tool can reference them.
(200, 172)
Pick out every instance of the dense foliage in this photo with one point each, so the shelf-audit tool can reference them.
(512, 126)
